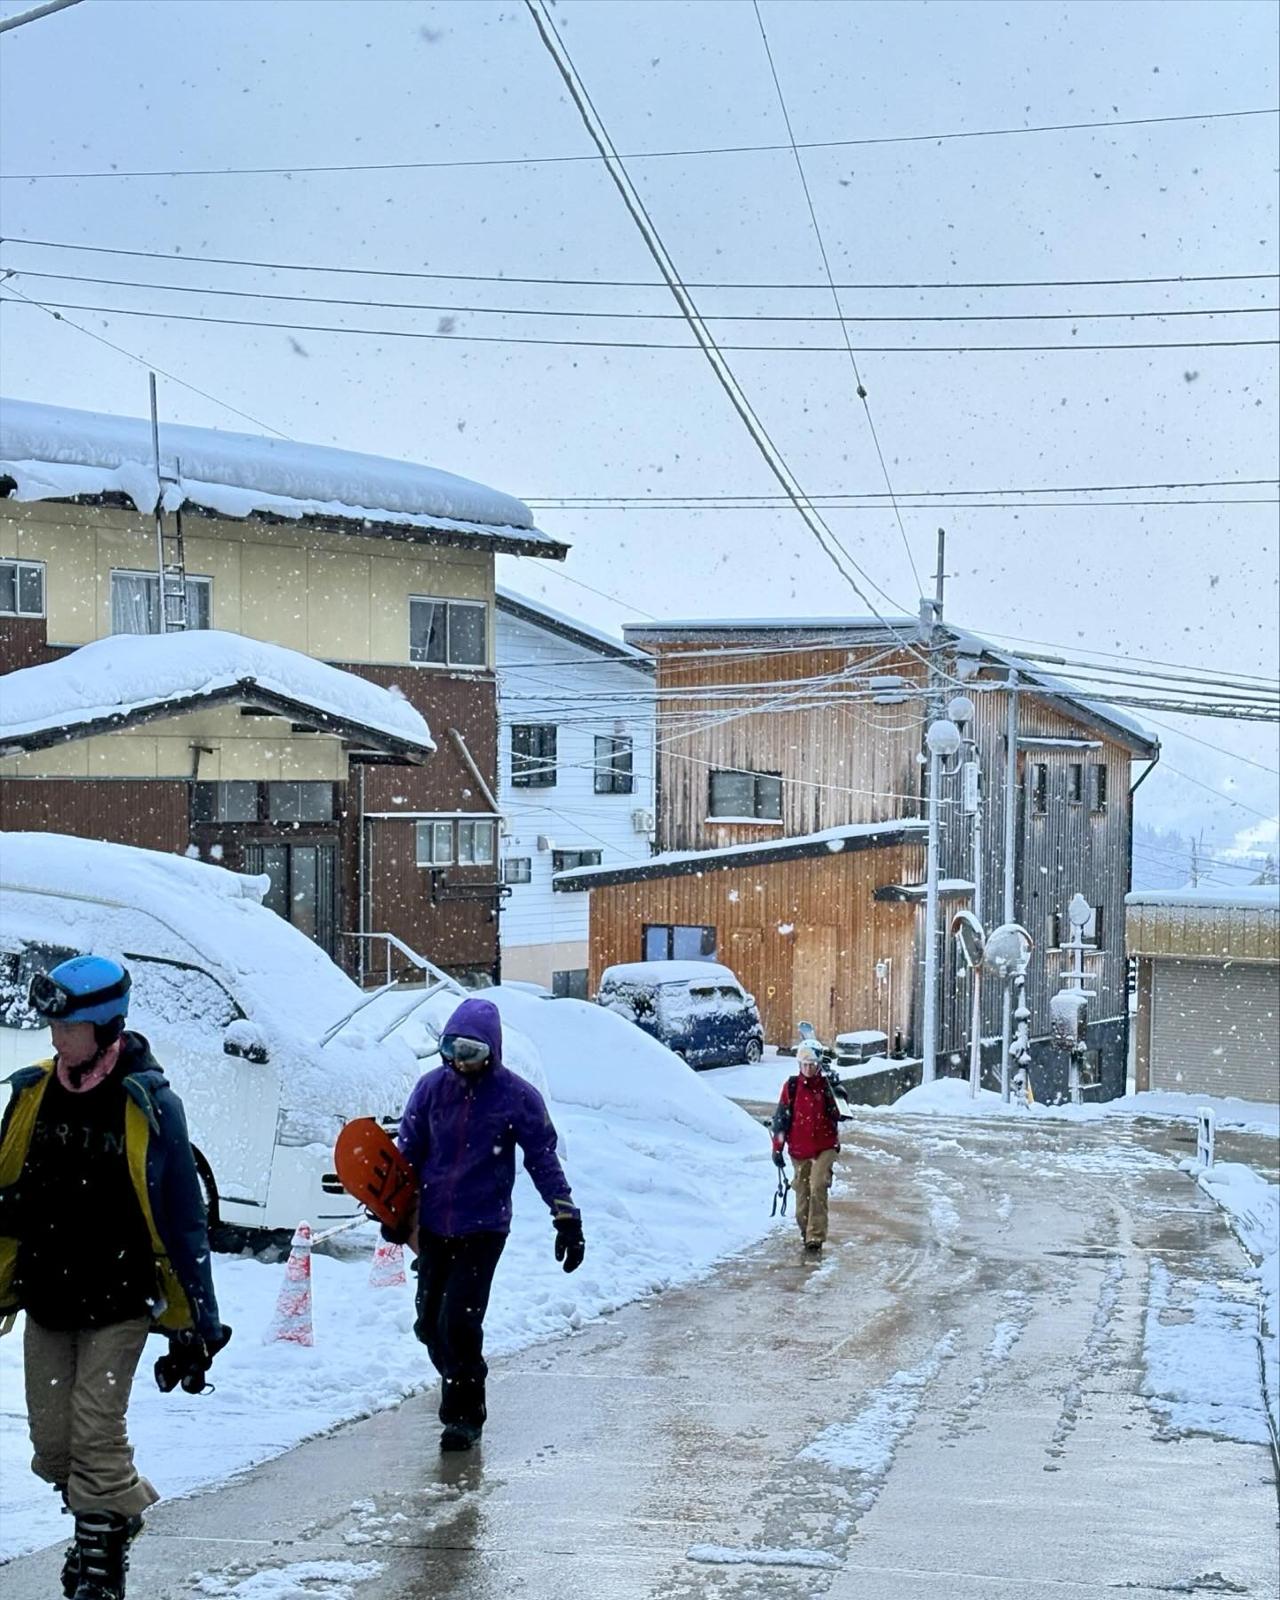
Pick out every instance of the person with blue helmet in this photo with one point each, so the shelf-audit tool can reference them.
(103, 1239)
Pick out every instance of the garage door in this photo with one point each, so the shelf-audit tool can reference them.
(1215, 1029)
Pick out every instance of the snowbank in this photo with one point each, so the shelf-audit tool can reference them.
(132, 673)
(54, 453)
(669, 1175)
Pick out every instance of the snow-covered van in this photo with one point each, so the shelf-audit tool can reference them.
(698, 1009)
(271, 1047)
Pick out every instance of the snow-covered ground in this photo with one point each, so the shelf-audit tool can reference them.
(669, 1174)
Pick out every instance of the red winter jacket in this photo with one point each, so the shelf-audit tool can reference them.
(806, 1120)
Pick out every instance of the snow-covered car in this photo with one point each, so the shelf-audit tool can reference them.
(270, 1045)
(698, 1009)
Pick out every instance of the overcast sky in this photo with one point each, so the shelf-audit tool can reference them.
(107, 85)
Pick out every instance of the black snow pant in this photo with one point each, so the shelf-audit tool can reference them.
(455, 1275)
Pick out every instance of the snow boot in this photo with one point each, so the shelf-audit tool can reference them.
(102, 1554)
(71, 1559)
(813, 1247)
(460, 1435)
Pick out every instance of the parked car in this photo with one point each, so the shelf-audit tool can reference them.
(270, 1045)
(696, 1008)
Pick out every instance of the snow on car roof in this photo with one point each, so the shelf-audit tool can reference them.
(55, 453)
(668, 972)
(123, 678)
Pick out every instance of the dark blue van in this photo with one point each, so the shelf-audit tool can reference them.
(696, 1008)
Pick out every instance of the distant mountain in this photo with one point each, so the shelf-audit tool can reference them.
(1161, 859)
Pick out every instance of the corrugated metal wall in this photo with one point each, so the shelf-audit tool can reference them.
(151, 814)
(1215, 1028)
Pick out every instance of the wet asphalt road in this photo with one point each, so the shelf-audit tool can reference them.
(963, 1368)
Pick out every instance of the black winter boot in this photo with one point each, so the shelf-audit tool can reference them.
(102, 1550)
(71, 1560)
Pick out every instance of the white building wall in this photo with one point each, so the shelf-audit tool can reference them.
(546, 678)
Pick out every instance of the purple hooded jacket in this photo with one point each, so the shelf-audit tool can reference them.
(460, 1134)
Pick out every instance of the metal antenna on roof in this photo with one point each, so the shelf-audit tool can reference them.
(171, 563)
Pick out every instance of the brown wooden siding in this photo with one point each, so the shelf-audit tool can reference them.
(24, 643)
(802, 935)
(1221, 933)
(151, 814)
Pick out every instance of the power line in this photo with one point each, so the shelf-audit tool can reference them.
(44, 10)
(1217, 793)
(859, 386)
(639, 155)
(906, 503)
(905, 494)
(624, 283)
(631, 198)
(142, 361)
(641, 316)
(641, 344)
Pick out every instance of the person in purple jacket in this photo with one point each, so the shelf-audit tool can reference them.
(459, 1132)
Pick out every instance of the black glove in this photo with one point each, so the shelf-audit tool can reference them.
(189, 1360)
(779, 1161)
(570, 1245)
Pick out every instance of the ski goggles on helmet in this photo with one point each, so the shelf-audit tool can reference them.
(53, 1000)
(468, 1052)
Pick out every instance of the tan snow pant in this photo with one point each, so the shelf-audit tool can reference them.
(811, 1182)
(78, 1386)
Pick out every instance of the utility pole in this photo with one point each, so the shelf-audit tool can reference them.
(929, 1030)
(1010, 845)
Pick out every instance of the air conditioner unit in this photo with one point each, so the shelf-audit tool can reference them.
(544, 843)
(643, 821)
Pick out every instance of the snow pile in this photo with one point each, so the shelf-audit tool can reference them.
(1253, 1205)
(669, 1175)
(300, 1580)
(53, 453)
(130, 673)
(1201, 1357)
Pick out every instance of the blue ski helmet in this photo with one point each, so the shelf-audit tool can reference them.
(85, 989)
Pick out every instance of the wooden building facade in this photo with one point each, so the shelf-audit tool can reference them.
(773, 730)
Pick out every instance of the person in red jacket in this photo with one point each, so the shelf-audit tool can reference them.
(807, 1122)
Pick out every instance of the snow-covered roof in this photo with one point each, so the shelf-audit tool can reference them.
(54, 453)
(654, 972)
(907, 629)
(132, 678)
(1252, 897)
(681, 863)
(541, 615)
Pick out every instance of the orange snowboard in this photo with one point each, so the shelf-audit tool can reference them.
(372, 1170)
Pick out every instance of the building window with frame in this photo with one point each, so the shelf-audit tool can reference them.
(517, 869)
(533, 755)
(1040, 789)
(21, 588)
(571, 984)
(1075, 783)
(434, 843)
(571, 860)
(615, 766)
(234, 801)
(678, 942)
(300, 802)
(135, 602)
(738, 796)
(475, 843)
(448, 633)
(1099, 798)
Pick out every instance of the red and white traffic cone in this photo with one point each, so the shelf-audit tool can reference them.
(387, 1268)
(292, 1321)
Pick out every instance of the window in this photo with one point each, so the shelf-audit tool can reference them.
(135, 602)
(614, 773)
(22, 588)
(571, 860)
(1100, 786)
(517, 869)
(475, 844)
(570, 984)
(533, 755)
(300, 802)
(434, 844)
(224, 802)
(666, 942)
(448, 633)
(746, 796)
(1075, 783)
(183, 995)
(1040, 789)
